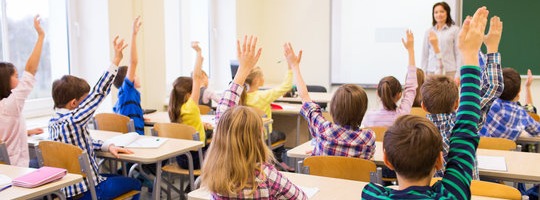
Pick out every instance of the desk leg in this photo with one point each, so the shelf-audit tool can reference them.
(60, 195)
(157, 182)
(191, 173)
(298, 118)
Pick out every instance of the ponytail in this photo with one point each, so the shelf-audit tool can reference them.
(181, 87)
(387, 90)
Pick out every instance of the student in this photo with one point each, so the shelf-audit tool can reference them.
(238, 162)
(389, 91)
(183, 107)
(13, 94)
(441, 105)
(412, 146)
(420, 77)
(129, 99)
(344, 137)
(207, 95)
(529, 107)
(74, 107)
(507, 119)
(261, 99)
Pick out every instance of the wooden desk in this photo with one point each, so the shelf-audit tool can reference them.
(329, 188)
(521, 166)
(317, 97)
(534, 140)
(163, 117)
(15, 192)
(291, 123)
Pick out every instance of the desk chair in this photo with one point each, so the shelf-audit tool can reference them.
(4, 156)
(204, 109)
(534, 116)
(489, 189)
(318, 88)
(62, 155)
(349, 168)
(379, 132)
(418, 112)
(275, 144)
(113, 122)
(177, 131)
(497, 144)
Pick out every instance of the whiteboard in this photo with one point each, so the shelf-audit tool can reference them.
(366, 37)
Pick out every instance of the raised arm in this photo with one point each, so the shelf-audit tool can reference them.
(132, 69)
(33, 61)
(248, 55)
(197, 73)
(293, 61)
(528, 94)
(411, 83)
(492, 78)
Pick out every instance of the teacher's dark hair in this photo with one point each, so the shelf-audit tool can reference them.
(446, 7)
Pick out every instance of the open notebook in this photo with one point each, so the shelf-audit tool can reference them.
(134, 140)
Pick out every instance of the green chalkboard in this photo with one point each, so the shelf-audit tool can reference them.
(520, 43)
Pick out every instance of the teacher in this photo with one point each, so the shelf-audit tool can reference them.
(440, 54)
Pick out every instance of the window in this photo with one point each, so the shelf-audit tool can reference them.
(17, 39)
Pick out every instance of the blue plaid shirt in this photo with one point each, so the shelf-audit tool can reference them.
(507, 119)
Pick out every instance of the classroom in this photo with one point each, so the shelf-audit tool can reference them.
(338, 45)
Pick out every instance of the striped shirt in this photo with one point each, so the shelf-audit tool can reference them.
(129, 104)
(507, 119)
(271, 184)
(385, 117)
(336, 140)
(492, 87)
(456, 181)
(450, 56)
(70, 126)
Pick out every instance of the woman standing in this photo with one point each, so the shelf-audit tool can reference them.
(440, 53)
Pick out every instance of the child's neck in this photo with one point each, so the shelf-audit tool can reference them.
(404, 183)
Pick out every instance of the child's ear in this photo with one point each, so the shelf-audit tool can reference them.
(456, 104)
(386, 162)
(439, 161)
(423, 106)
(71, 104)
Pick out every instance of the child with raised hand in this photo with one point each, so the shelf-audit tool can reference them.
(74, 107)
(344, 137)
(129, 98)
(183, 104)
(13, 94)
(238, 163)
(389, 91)
(413, 145)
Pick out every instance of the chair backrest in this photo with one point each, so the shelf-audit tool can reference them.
(4, 156)
(496, 143)
(113, 122)
(176, 130)
(379, 132)
(490, 189)
(204, 109)
(341, 167)
(61, 155)
(534, 116)
(418, 112)
(316, 88)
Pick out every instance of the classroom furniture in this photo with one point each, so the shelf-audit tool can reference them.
(4, 156)
(318, 89)
(520, 166)
(496, 144)
(55, 187)
(534, 116)
(178, 131)
(317, 97)
(204, 109)
(349, 168)
(328, 188)
(379, 132)
(534, 140)
(490, 189)
(418, 111)
(289, 121)
(272, 145)
(113, 122)
(62, 155)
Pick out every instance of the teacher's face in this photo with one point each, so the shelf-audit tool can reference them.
(440, 14)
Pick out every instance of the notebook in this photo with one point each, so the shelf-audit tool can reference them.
(39, 177)
(134, 140)
(495, 163)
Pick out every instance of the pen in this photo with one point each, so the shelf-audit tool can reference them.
(5, 187)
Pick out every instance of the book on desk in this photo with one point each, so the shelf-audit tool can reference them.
(134, 140)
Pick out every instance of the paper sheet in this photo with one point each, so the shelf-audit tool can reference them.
(495, 163)
(310, 191)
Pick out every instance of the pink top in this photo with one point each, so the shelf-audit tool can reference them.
(13, 125)
(383, 117)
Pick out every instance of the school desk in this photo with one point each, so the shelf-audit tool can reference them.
(55, 187)
(317, 97)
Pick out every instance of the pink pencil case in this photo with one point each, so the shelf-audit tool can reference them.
(39, 177)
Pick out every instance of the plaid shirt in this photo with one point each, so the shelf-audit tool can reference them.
(507, 119)
(492, 87)
(270, 183)
(336, 140)
(70, 126)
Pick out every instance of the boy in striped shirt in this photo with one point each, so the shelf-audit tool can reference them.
(413, 145)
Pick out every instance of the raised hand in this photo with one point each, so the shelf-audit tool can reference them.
(492, 39)
(409, 43)
(529, 81)
(119, 46)
(248, 55)
(137, 23)
(434, 41)
(195, 46)
(472, 35)
(292, 59)
(37, 26)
